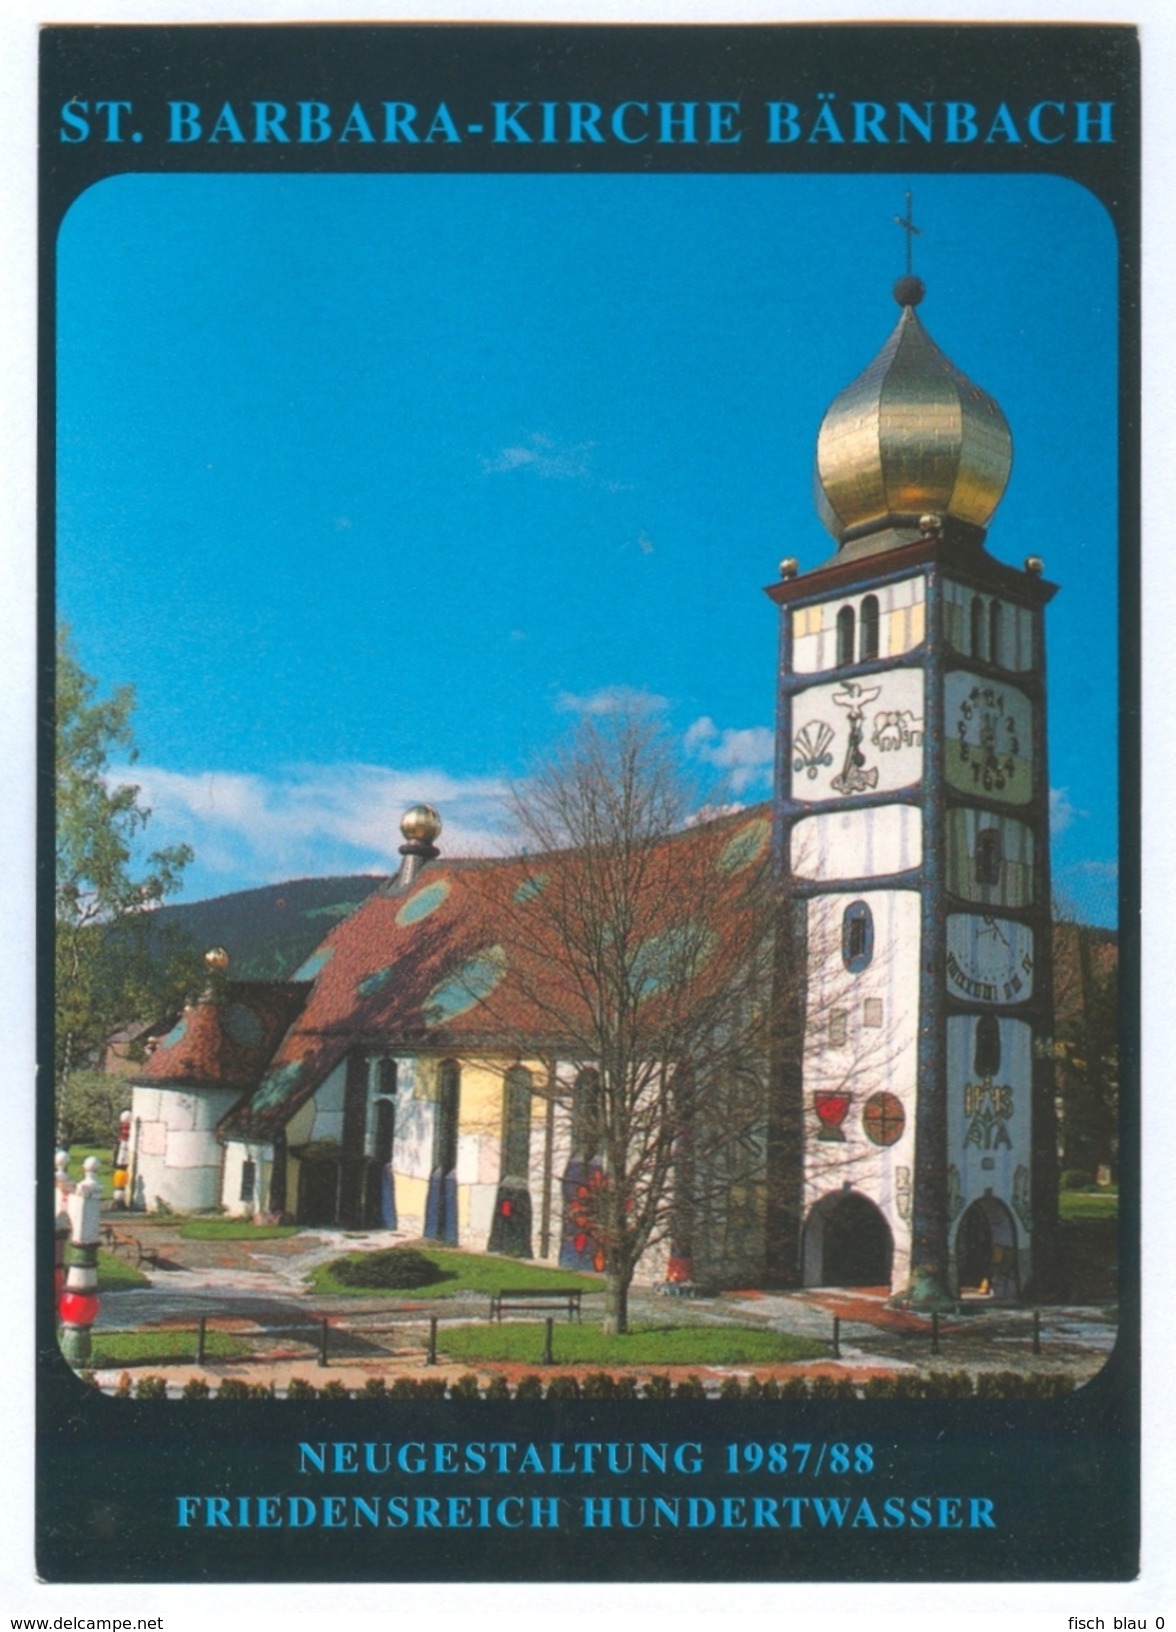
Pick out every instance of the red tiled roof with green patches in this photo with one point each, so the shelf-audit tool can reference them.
(466, 957)
(225, 1042)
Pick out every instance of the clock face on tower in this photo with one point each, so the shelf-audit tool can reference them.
(989, 960)
(988, 729)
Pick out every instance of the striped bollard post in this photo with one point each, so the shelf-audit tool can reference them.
(63, 1188)
(79, 1301)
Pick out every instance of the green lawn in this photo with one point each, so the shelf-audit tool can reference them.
(1088, 1204)
(464, 1272)
(173, 1347)
(642, 1346)
(116, 1276)
(233, 1229)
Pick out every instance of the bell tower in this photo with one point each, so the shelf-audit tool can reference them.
(913, 1116)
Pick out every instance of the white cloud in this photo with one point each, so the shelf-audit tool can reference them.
(745, 756)
(1062, 813)
(547, 458)
(1107, 871)
(312, 820)
(611, 700)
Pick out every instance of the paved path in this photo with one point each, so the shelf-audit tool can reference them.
(264, 1284)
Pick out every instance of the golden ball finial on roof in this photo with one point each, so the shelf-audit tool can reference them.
(911, 436)
(420, 824)
(216, 959)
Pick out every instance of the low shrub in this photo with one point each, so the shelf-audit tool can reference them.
(234, 1388)
(565, 1387)
(374, 1388)
(598, 1385)
(690, 1388)
(404, 1388)
(196, 1389)
(657, 1388)
(465, 1387)
(299, 1389)
(151, 1388)
(1051, 1385)
(529, 1387)
(1075, 1178)
(794, 1388)
(880, 1388)
(1001, 1385)
(498, 1388)
(947, 1385)
(393, 1268)
(731, 1389)
(334, 1390)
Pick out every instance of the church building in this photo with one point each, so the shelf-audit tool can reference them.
(903, 1135)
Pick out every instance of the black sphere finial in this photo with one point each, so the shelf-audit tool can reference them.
(909, 290)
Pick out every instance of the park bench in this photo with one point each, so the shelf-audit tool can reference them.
(517, 1299)
(128, 1247)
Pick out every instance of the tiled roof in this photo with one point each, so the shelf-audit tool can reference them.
(225, 1043)
(465, 959)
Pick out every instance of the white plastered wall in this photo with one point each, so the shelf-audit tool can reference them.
(176, 1158)
(873, 1058)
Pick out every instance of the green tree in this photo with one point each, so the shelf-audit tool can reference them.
(109, 967)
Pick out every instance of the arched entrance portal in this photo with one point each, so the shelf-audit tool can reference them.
(986, 1250)
(847, 1242)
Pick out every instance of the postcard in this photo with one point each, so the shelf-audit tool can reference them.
(591, 596)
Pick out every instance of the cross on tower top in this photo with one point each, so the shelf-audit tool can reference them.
(907, 223)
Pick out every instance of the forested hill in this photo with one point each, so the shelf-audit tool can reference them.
(268, 933)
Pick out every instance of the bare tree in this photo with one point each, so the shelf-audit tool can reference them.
(639, 958)
(1086, 1048)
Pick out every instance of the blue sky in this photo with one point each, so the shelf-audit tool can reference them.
(369, 485)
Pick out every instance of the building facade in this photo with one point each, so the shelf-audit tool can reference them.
(904, 1133)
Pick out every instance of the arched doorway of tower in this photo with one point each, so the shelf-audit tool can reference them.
(847, 1242)
(986, 1250)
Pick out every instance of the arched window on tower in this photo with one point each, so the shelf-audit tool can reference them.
(979, 648)
(868, 637)
(845, 630)
(857, 937)
(986, 1055)
(995, 619)
(988, 856)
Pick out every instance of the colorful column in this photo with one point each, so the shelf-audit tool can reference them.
(63, 1188)
(79, 1300)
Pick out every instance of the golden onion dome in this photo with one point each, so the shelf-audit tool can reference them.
(911, 437)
